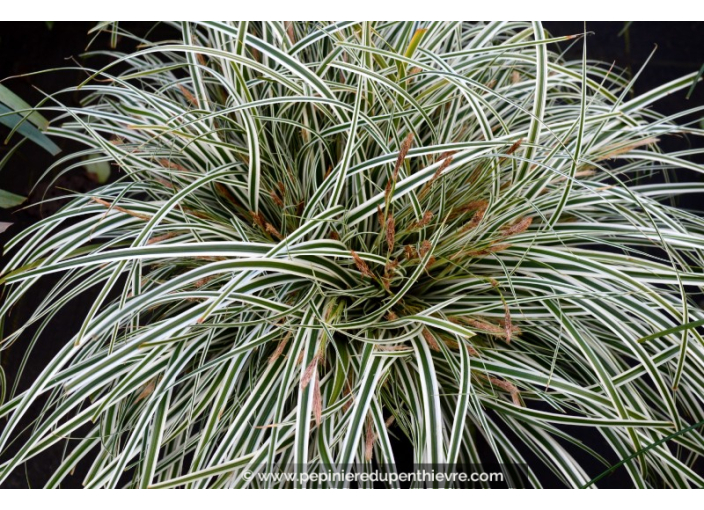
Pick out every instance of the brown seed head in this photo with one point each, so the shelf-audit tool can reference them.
(369, 439)
(410, 252)
(162, 237)
(430, 339)
(120, 209)
(276, 198)
(309, 371)
(519, 227)
(435, 176)
(317, 401)
(403, 151)
(167, 163)
(280, 348)
(258, 219)
(361, 265)
(425, 247)
(199, 283)
(188, 95)
(390, 231)
(427, 218)
(514, 147)
(507, 323)
(272, 230)
(488, 250)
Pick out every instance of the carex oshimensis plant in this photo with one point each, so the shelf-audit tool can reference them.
(326, 235)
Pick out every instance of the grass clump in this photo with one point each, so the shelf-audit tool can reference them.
(327, 234)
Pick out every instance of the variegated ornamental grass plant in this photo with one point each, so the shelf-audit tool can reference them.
(327, 234)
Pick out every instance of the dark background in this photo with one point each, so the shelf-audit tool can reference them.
(28, 47)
